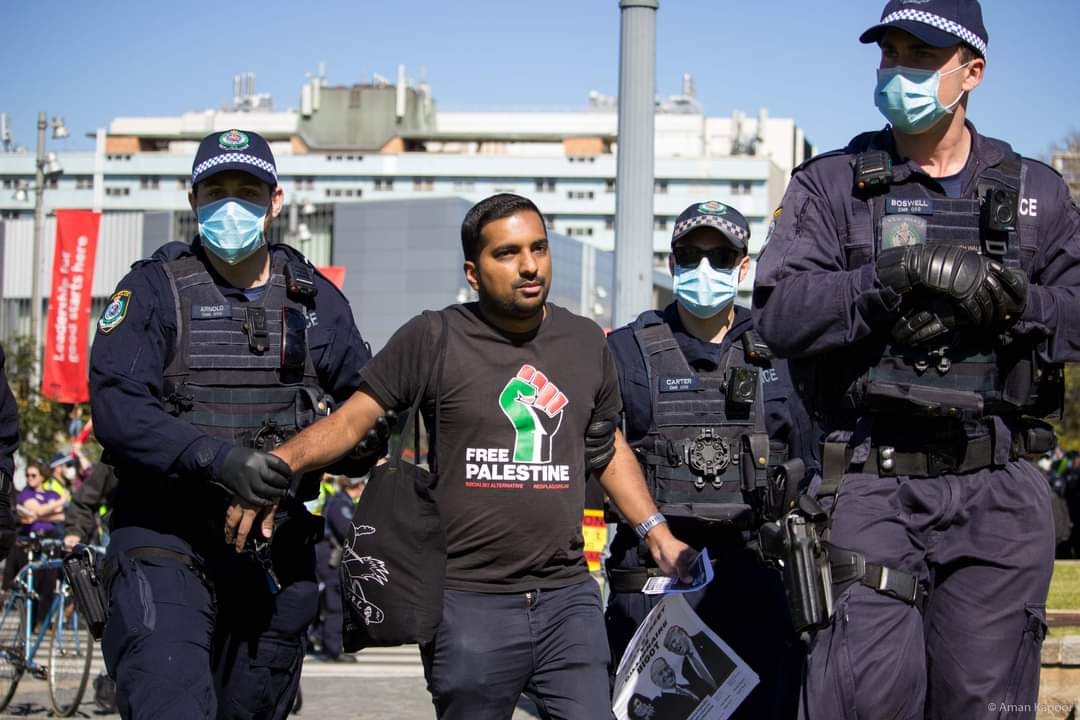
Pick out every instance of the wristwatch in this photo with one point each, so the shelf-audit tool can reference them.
(650, 522)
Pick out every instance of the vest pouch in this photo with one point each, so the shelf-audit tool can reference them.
(740, 515)
(921, 400)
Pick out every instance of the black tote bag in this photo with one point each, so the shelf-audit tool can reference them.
(393, 566)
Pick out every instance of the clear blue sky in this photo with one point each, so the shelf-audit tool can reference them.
(93, 61)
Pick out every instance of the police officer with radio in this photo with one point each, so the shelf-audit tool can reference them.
(924, 280)
(711, 416)
(206, 357)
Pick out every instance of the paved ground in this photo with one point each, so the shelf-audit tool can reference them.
(385, 684)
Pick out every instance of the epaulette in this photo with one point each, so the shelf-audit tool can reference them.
(1025, 158)
(831, 153)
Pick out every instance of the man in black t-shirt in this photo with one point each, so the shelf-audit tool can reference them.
(527, 402)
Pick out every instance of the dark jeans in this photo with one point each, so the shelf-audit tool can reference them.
(184, 646)
(329, 627)
(984, 543)
(492, 647)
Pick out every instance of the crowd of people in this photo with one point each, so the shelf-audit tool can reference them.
(876, 408)
(1062, 470)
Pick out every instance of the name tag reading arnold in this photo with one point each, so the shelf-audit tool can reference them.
(679, 384)
(210, 312)
(910, 206)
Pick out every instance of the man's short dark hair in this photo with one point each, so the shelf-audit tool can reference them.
(487, 211)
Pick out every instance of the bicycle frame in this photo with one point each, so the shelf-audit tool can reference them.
(24, 584)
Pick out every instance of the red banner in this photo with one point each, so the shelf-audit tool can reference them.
(67, 330)
(335, 274)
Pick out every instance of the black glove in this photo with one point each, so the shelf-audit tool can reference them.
(921, 326)
(374, 442)
(256, 477)
(984, 292)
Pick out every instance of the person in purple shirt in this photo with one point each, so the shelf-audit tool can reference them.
(922, 282)
(40, 511)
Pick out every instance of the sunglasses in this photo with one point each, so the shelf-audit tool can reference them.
(720, 258)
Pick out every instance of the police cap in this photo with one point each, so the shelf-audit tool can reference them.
(938, 23)
(242, 150)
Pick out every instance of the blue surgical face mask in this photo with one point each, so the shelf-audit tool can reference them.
(908, 98)
(232, 229)
(705, 291)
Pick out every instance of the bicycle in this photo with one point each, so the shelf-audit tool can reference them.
(71, 647)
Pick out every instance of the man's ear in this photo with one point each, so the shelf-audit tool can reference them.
(277, 201)
(471, 275)
(744, 268)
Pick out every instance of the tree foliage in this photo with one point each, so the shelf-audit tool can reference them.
(42, 422)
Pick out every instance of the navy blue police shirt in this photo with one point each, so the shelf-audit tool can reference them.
(154, 452)
(811, 297)
(786, 419)
(9, 422)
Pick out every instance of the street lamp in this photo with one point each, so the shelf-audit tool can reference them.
(47, 168)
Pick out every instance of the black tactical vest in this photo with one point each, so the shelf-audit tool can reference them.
(227, 375)
(706, 454)
(966, 376)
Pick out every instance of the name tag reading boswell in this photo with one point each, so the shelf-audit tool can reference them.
(679, 384)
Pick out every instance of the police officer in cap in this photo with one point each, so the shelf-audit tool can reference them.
(208, 355)
(926, 278)
(338, 514)
(711, 416)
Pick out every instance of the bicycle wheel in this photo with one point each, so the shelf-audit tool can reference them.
(71, 649)
(12, 647)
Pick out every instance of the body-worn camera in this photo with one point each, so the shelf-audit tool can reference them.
(1000, 208)
(742, 385)
(299, 281)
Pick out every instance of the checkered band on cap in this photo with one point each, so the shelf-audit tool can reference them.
(721, 224)
(233, 157)
(949, 26)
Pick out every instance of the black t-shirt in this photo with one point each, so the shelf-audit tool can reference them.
(511, 439)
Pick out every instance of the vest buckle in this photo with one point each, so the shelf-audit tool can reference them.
(255, 327)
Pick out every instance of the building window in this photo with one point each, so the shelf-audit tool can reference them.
(585, 159)
(84, 182)
(464, 185)
(118, 191)
(10, 183)
(149, 182)
(384, 183)
(183, 183)
(550, 220)
(354, 98)
(740, 187)
(423, 184)
(660, 187)
(660, 222)
(609, 185)
(304, 183)
(580, 194)
(545, 185)
(609, 222)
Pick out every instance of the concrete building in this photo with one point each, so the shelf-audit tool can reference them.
(386, 140)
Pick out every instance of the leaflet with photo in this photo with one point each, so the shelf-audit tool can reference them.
(676, 668)
(701, 571)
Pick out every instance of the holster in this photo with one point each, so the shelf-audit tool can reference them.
(793, 543)
(80, 569)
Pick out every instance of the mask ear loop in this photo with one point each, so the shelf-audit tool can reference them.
(952, 106)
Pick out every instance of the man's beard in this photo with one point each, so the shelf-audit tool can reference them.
(513, 307)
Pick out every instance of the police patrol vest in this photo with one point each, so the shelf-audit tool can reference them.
(705, 455)
(226, 375)
(968, 375)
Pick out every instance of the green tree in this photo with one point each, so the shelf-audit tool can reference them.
(42, 422)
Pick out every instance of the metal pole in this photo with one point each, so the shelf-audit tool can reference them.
(634, 166)
(39, 229)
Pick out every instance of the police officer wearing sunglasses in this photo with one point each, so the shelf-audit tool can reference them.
(710, 416)
(207, 355)
(925, 282)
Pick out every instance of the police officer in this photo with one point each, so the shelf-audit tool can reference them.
(207, 355)
(9, 443)
(926, 279)
(338, 514)
(702, 397)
